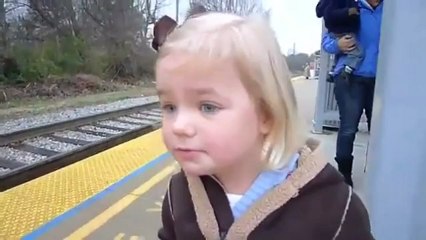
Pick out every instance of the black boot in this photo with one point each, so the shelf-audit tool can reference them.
(345, 168)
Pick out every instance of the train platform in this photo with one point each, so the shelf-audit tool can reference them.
(32, 209)
(117, 194)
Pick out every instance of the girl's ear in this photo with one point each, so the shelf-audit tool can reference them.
(163, 27)
(265, 119)
(265, 125)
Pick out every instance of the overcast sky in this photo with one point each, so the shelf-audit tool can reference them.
(294, 21)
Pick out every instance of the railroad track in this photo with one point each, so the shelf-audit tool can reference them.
(31, 153)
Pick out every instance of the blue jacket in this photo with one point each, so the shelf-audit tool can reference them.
(336, 15)
(368, 36)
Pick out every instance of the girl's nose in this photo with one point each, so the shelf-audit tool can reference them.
(183, 125)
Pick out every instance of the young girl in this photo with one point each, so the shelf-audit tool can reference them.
(230, 120)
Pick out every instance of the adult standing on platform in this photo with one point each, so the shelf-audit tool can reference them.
(354, 96)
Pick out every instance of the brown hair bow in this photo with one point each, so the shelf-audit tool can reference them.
(165, 25)
(162, 28)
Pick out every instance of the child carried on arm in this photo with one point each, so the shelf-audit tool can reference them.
(341, 18)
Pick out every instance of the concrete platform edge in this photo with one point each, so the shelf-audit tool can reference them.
(90, 201)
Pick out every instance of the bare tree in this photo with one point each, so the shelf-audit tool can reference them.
(241, 7)
(58, 15)
(150, 10)
(3, 29)
(113, 32)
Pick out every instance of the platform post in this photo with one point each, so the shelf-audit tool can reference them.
(318, 120)
(396, 189)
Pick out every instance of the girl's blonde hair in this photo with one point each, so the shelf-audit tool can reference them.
(251, 44)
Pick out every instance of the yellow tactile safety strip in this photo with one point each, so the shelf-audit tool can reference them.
(26, 207)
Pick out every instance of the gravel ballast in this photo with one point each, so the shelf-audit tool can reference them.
(9, 153)
(120, 124)
(146, 116)
(43, 119)
(47, 143)
(98, 129)
(21, 156)
(129, 119)
(78, 135)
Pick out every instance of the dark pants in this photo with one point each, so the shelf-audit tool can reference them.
(352, 98)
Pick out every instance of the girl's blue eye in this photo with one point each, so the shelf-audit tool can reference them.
(208, 108)
(168, 108)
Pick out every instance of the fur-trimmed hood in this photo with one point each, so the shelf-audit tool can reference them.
(314, 199)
